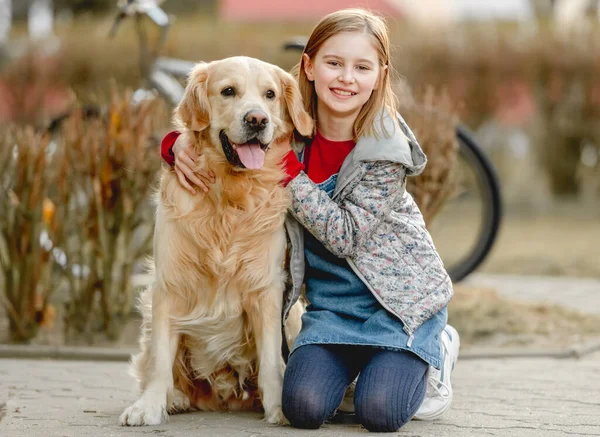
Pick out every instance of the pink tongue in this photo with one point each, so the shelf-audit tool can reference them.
(251, 155)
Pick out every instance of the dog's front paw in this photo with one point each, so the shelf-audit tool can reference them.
(275, 416)
(144, 412)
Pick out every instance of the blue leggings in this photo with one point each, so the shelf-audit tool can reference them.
(389, 390)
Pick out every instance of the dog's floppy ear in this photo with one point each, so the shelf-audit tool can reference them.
(293, 100)
(194, 110)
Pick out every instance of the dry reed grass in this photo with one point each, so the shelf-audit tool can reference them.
(108, 169)
(26, 174)
(89, 190)
(433, 123)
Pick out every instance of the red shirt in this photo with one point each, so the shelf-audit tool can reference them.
(322, 158)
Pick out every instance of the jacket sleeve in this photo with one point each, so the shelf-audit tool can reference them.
(343, 228)
(166, 147)
(292, 167)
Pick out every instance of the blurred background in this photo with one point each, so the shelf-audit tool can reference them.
(81, 123)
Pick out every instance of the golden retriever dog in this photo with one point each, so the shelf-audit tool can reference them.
(211, 333)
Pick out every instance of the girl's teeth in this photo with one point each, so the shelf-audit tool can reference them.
(342, 93)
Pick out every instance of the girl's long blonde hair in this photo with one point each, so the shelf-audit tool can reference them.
(352, 20)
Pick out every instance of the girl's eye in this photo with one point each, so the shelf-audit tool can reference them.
(270, 94)
(334, 63)
(363, 67)
(228, 92)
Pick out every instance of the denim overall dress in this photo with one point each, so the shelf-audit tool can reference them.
(342, 310)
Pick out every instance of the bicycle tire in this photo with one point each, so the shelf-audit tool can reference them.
(297, 44)
(489, 185)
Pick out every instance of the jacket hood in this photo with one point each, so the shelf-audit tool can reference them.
(393, 141)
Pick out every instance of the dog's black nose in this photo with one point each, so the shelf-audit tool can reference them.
(256, 119)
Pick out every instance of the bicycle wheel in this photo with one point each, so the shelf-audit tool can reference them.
(466, 228)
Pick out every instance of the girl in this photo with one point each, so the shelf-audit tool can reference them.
(376, 287)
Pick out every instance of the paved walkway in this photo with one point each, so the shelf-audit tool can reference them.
(513, 397)
(501, 397)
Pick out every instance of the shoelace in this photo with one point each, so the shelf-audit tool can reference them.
(438, 386)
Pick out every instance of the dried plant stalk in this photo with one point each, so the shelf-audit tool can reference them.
(432, 120)
(76, 212)
(107, 174)
(26, 223)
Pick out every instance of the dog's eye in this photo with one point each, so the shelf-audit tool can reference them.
(228, 92)
(270, 94)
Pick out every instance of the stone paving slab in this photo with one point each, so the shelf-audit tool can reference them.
(522, 397)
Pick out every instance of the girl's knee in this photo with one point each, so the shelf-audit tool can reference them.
(389, 391)
(313, 386)
(383, 411)
(376, 414)
(305, 408)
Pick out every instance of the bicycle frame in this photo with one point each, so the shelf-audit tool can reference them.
(161, 77)
(159, 72)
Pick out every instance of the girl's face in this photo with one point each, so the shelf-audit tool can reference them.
(345, 71)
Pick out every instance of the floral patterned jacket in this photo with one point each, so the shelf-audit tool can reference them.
(374, 223)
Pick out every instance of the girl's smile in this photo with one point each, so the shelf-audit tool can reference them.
(342, 93)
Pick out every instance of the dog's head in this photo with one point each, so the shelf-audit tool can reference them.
(245, 105)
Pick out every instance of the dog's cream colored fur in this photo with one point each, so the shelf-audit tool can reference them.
(211, 334)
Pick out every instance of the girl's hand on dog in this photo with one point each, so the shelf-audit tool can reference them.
(186, 163)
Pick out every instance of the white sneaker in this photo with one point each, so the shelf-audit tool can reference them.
(347, 405)
(439, 389)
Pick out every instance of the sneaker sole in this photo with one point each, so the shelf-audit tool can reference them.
(437, 414)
